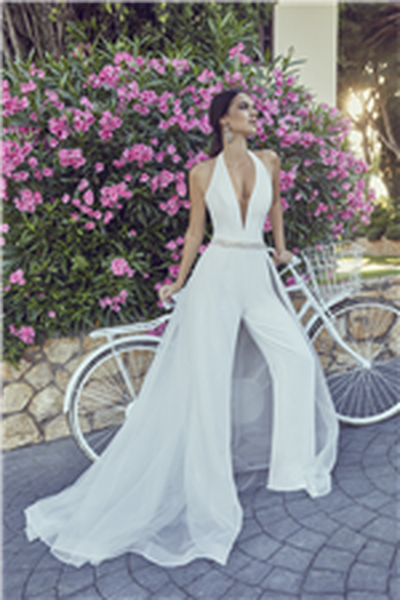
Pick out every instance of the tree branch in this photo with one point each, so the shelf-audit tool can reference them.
(15, 43)
(393, 147)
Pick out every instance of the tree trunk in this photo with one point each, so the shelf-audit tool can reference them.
(4, 42)
(387, 136)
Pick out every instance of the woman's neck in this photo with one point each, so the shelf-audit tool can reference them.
(236, 150)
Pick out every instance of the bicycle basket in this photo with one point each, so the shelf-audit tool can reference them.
(333, 269)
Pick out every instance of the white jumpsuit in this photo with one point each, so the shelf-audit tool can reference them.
(234, 387)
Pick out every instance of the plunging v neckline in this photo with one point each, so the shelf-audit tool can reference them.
(243, 223)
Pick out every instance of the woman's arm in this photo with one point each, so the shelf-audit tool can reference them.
(194, 234)
(276, 215)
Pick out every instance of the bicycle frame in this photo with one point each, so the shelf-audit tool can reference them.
(321, 310)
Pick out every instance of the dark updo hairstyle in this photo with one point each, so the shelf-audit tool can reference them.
(218, 108)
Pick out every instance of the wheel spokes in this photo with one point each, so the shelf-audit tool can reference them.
(104, 394)
(372, 331)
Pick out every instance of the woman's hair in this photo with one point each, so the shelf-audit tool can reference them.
(218, 108)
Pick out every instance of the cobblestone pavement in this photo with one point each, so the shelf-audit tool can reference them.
(342, 546)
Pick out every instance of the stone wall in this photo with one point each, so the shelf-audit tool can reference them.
(33, 394)
(382, 247)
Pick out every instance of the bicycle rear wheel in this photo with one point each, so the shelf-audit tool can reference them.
(361, 394)
(103, 389)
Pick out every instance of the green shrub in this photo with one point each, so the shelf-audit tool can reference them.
(393, 231)
(97, 147)
(375, 233)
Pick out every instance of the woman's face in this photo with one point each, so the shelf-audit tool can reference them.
(241, 116)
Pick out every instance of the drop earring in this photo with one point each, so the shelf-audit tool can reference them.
(228, 133)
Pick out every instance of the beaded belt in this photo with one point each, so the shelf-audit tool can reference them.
(238, 244)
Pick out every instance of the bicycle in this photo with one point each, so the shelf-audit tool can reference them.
(357, 339)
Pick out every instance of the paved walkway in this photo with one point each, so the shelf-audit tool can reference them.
(342, 546)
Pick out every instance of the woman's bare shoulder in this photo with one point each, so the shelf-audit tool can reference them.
(201, 173)
(270, 159)
(267, 155)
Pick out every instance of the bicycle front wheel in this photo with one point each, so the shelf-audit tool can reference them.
(103, 389)
(362, 393)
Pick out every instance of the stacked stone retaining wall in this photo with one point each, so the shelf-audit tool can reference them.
(33, 393)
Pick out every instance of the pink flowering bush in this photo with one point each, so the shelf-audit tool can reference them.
(96, 152)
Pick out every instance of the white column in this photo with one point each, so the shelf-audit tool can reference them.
(310, 28)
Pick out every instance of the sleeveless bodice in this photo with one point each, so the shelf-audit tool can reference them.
(224, 207)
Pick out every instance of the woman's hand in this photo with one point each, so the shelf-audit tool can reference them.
(283, 256)
(166, 291)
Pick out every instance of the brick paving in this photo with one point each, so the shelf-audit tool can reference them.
(342, 546)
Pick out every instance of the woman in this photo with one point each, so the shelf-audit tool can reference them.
(234, 387)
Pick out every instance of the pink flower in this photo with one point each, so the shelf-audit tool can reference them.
(267, 224)
(108, 124)
(115, 302)
(205, 76)
(236, 50)
(88, 197)
(17, 277)
(321, 208)
(158, 331)
(99, 167)
(52, 314)
(105, 302)
(4, 228)
(290, 280)
(181, 188)
(89, 225)
(160, 157)
(132, 232)
(71, 158)
(26, 334)
(165, 178)
(144, 177)
(32, 161)
(123, 57)
(60, 127)
(120, 267)
(28, 87)
(83, 184)
(108, 216)
(47, 172)
(83, 120)
(154, 183)
(28, 201)
(173, 271)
